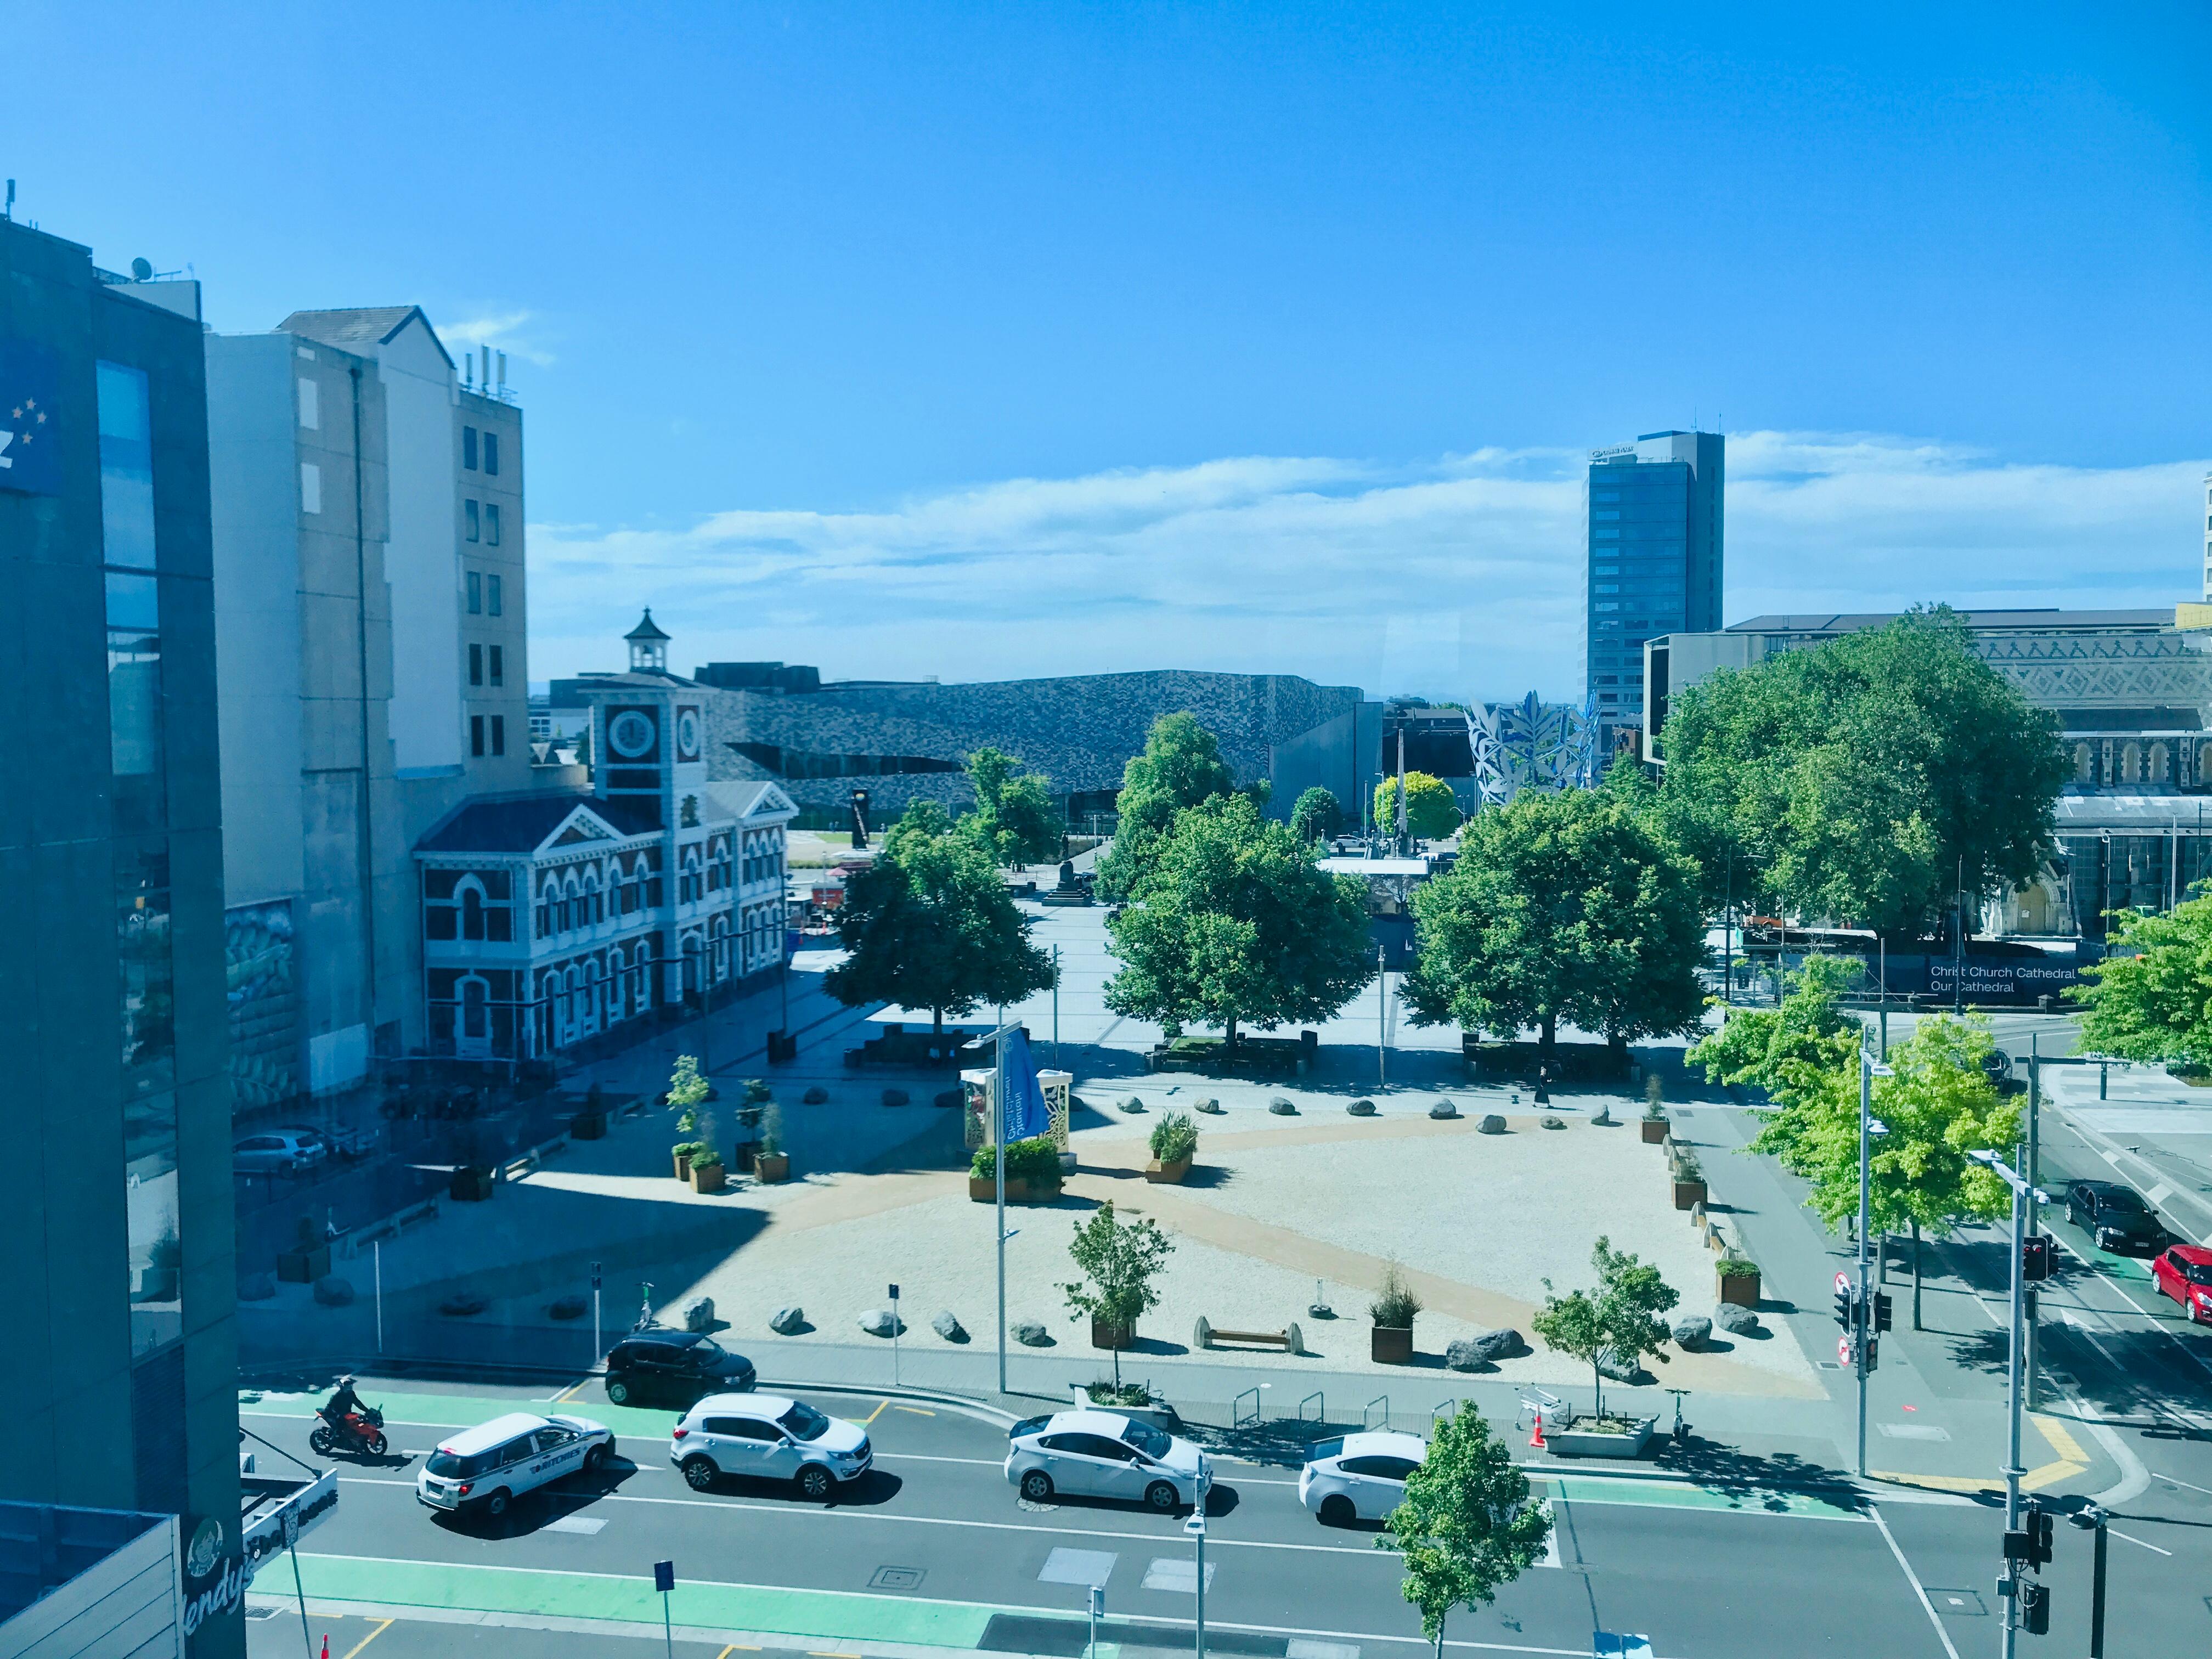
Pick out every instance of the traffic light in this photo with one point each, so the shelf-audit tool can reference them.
(2038, 1522)
(1882, 1311)
(1846, 1304)
(2035, 1257)
(2035, 1609)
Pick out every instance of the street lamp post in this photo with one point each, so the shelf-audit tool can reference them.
(2091, 1518)
(998, 1042)
(1862, 1346)
(1195, 1527)
(2024, 1193)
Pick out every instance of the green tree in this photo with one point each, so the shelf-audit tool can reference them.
(1013, 819)
(1562, 906)
(1938, 1107)
(1318, 815)
(1869, 777)
(1431, 810)
(930, 925)
(1182, 766)
(1234, 922)
(2152, 999)
(688, 1090)
(1118, 1263)
(1621, 1319)
(1467, 1526)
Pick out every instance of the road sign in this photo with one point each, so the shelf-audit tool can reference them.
(1843, 1282)
(664, 1575)
(1843, 1351)
(894, 1292)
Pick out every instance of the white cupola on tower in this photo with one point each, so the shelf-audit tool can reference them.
(648, 647)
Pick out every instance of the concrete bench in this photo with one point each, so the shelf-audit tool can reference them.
(1204, 1335)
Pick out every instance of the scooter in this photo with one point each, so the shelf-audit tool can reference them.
(361, 1431)
(1681, 1429)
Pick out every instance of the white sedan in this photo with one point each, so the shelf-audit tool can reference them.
(1359, 1477)
(484, 1469)
(1103, 1454)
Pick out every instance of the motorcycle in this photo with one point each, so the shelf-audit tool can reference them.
(361, 1431)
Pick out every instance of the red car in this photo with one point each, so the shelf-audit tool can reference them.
(2185, 1273)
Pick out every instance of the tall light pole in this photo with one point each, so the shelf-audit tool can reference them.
(998, 1042)
(2024, 1193)
(1864, 1346)
(1195, 1527)
(1381, 1020)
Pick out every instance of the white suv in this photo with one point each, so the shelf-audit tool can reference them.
(484, 1469)
(1359, 1477)
(767, 1438)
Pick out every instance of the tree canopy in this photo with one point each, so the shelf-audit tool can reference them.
(1013, 819)
(1432, 810)
(930, 925)
(1855, 777)
(1318, 815)
(1232, 922)
(1467, 1526)
(2152, 999)
(1562, 906)
(1182, 766)
(1621, 1318)
(1119, 1262)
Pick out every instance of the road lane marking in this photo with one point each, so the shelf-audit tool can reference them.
(1913, 1579)
(366, 1639)
(2178, 1482)
(917, 1411)
(2117, 1532)
(874, 1414)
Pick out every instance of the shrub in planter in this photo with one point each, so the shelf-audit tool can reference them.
(1036, 1161)
(1739, 1280)
(1174, 1143)
(707, 1171)
(683, 1151)
(1391, 1341)
(1689, 1183)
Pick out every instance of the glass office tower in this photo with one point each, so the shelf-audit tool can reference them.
(1654, 518)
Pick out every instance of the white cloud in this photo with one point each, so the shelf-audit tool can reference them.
(502, 331)
(1457, 576)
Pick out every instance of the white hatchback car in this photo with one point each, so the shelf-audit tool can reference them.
(484, 1469)
(1103, 1454)
(1359, 1477)
(278, 1152)
(768, 1438)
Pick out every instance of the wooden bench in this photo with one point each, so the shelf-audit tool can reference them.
(1204, 1335)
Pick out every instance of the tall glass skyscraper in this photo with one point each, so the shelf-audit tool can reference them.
(1654, 517)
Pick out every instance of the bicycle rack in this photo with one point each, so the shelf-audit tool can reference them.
(1321, 1410)
(1237, 1417)
(1381, 1400)
(1443, 1409)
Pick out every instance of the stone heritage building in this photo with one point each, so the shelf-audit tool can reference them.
(901, 741)
(2132, 690)
(552, 917)
(116, 1226)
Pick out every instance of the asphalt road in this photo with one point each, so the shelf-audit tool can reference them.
(936, 1519)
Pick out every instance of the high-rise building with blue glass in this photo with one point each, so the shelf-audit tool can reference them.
(1654, 534)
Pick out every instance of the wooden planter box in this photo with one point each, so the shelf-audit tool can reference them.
(588, 1126)
(471, 1184)
(1654, 1128)
(1688, 1194)
(707, 1178)
(1104, 1335)
(303, 1267)
(1741, 1288)
(1172, 1173)
(1572, 1441)
(771, 1167)
(682, 1166)
(1391, 1344)
(984, 1189)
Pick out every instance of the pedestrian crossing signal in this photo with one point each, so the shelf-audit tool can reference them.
(2035, 1257)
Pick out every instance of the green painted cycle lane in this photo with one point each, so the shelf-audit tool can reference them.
(815, 1614)
(461, 1411)
(1683, 1495)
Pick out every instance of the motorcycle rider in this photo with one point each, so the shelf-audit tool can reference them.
(342, 1404)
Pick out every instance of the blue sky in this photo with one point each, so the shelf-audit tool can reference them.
(1008, 339)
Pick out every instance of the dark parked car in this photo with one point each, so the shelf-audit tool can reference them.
(673, 1368)
(2114, 1216)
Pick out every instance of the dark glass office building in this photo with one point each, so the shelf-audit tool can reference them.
(1654, 516)
(119, 1390)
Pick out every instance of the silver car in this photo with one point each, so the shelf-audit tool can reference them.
(1103, 1454)
(1359, 1477)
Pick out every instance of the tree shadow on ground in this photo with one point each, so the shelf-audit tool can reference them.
(1754, 1479)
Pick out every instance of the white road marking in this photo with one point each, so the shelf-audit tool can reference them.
(1913, 1579)
(588, 1525)
(2154, 1548)
(2175, 1480)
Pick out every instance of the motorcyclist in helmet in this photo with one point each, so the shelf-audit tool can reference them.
(342, 1403)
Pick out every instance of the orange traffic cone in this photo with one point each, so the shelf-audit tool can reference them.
(1535, 1440)
(326, 1644)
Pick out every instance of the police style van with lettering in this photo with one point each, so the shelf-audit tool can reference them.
(481, 1471)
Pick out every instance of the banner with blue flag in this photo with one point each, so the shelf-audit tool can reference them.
(30, 435)
(1026, 1114)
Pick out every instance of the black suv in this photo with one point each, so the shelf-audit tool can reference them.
(673, 1368)
(2114, 1216)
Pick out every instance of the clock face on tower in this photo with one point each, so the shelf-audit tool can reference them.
(631, 733)
(687, 734)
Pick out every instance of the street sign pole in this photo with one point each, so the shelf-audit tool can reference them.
(1196, 1527)
(595, 1314)
(664, 1580)
(895, 1330)
(1098, 1610)
(292, 1548)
